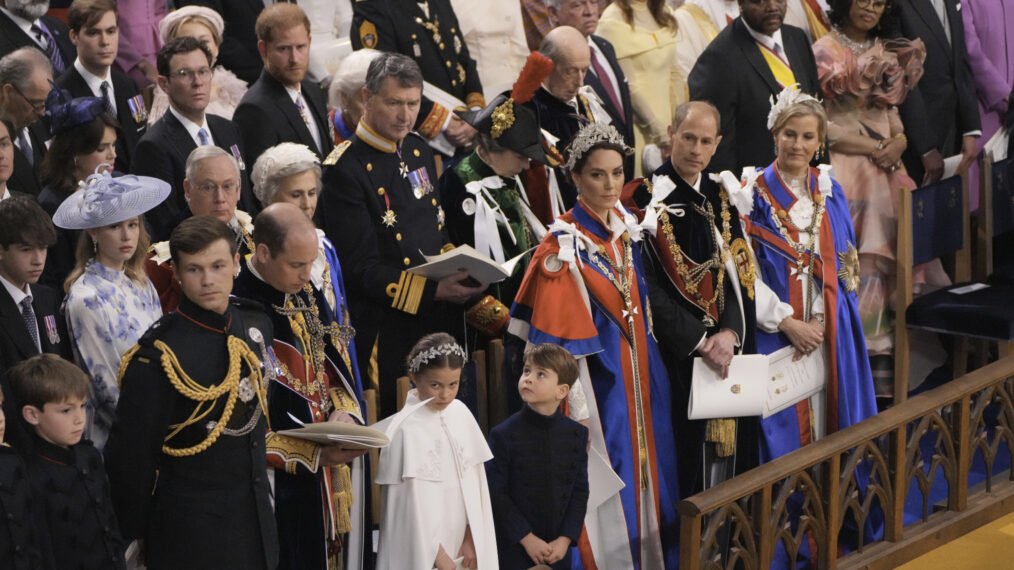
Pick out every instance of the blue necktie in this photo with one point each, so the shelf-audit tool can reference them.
(49, 46)
(28, 315)
(202, 134)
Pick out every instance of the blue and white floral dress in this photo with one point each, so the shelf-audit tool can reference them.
(106, 313)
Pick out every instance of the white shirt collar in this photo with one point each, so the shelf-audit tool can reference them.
(6, 193)
(294, 94)
(772, 42)
(191, 126)
(16, 294)
(94, 81)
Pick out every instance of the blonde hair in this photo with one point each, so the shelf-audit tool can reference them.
(132, 268)
(172, 32)
(804, 108)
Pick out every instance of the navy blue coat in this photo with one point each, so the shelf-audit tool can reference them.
(538, 482)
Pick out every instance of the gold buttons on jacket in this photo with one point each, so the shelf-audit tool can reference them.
(369, 167)
(407, 261)
(381, 191)
(397, 237)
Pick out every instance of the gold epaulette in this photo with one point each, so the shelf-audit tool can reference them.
(332, 158)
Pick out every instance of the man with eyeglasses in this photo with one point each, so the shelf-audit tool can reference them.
(184, 68)
(211, 188)
(25, 75)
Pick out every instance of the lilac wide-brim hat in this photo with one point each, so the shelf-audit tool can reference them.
(102, 200)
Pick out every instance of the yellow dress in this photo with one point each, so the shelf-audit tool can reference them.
(647, 54)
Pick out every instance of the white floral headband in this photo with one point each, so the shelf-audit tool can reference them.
(449, 349)
(787, 98)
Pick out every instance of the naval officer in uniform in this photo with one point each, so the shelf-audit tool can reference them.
(380, 209)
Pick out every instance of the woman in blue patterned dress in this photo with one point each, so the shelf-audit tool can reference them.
(110, 302)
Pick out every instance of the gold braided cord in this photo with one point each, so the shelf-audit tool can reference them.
(239, 352)
(124, 362)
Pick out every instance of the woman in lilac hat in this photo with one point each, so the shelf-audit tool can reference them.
(110, 302)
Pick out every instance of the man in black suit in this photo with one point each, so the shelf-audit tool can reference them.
(238, 52)
(940, 116)
(751, 60)
(605, 75)
(429, 33)
(24, 23)
(95, 31)
(184, 69)
(30, 319)
(283, 106)
(25, 75)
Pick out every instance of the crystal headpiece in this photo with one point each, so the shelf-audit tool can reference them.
(590, 135)
(449, 349)
(787, 98)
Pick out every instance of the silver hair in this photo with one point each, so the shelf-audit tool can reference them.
(18, 67)
(396, 65)
(350, 76)
(278, 163)
(203, 153)
(554, 4)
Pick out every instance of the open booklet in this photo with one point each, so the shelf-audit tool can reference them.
(350, 436)
(758, 385)
(479, 267)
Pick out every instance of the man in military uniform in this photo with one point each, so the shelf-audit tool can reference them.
(562, 108)
(316, 490)
(427, 32)
(701, 283)
(186, 455)
(212, 187)
(380, 209)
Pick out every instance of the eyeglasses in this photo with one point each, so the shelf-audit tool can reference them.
(211, 187)
(877, 5)
(203, 73)
(38, 105)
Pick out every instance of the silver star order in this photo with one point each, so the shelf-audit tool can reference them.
(403, 169)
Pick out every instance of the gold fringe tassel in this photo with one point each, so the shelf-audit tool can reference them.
(341, 497)
(722, 432)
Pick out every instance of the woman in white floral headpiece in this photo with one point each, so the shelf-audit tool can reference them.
(808, 272)
(110, 302)
(585, 291)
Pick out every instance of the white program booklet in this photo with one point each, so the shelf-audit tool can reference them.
(741, 394)
(791, 381)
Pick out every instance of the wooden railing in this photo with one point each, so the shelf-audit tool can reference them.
(811, 504)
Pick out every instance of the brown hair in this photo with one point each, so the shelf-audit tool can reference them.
(132, 268)
(658, 9)
(23, 221)
(279, 17)
(65, 147)
(86, 13)
(195, 234)
(556, 358)
(46, 379)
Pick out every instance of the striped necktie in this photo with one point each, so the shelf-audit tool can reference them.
(109, 100)
(25, 146)
(49, 46)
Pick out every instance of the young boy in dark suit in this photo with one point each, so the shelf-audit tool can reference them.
(66, 471)
(538, 477)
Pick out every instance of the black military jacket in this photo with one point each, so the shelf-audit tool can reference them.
(210, 509)
(433, 40)
(380, 209)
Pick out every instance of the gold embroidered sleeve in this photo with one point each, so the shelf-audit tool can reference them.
(434, 122)
(344, 402)
(289, 453)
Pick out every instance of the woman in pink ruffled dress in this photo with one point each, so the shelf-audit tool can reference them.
(864, 77)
